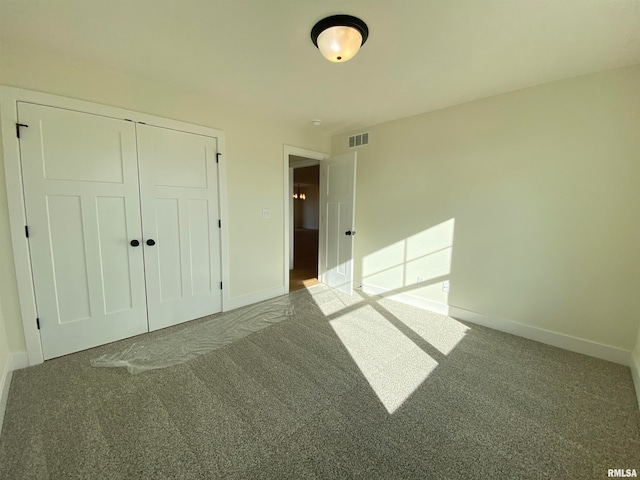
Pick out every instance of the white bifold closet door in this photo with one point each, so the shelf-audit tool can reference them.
(179, 192)
(80, 176)
(96, 278)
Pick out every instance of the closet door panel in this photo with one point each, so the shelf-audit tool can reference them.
(169, 253)
(179, 195)
(82, 206)
(114, 254)
(199, 247)
(66, 225)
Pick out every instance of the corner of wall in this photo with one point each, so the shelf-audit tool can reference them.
(635, 373)
(634, 363)
(5, 382)
(15, 361)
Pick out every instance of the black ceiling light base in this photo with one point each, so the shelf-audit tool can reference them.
(339, 21)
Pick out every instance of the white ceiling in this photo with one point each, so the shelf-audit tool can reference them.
(421, 54)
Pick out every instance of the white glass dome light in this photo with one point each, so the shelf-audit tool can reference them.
(339, 44)
(339, 37)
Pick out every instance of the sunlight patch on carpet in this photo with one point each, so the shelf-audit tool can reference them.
(393, 365)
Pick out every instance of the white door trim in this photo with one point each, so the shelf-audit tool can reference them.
(9, 97)
(300, 152)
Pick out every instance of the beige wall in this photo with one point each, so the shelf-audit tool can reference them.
(4, 363)
(4, 352)
(635, 369)
(636, 358)
(10, 317)
(528, 202)
(254, 157)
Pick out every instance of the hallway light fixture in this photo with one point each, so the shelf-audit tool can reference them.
(299, 196)
(339, 37)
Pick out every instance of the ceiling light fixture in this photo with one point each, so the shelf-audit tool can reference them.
(339, 37)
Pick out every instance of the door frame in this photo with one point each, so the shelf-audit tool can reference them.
(9, 98)
(300, 152)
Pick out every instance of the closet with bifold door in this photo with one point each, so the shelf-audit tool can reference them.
(123, 226)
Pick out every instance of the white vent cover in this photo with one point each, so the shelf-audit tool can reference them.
(358, 140)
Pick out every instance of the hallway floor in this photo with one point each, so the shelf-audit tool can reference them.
(305, 261)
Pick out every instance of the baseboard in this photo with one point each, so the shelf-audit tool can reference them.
(14, 362)
(254, 298)
(635, 373)
(414, 301)
(567, 342)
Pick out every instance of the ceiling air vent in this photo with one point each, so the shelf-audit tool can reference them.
(358, 140)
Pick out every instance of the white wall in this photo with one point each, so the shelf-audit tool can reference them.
(254, 149)
(6, 274)
(527, 202)
(636, 352)
(10, 317)
(5, 364)
(635, 367)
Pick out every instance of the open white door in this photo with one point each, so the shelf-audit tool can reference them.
(337, 207)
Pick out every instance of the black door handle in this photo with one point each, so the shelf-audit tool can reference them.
(350, 232)
(151, 242)
(134, 243)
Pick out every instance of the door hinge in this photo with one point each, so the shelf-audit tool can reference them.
(219, 223)
(220, 285)
(18, 125)
(218, 157)
(38, 323)
(26, 231)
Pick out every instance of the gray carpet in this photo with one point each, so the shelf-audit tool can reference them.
(345, 388)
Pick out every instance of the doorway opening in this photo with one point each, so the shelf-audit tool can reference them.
(306, 210)
(304, 222)
(336, 208)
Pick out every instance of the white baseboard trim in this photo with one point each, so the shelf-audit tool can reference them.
(635, 373)
(560, 340)
(14, 362)
(255, 298)
(567, 342)
(414, 301)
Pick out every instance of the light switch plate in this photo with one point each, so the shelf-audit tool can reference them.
(266, 213)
